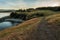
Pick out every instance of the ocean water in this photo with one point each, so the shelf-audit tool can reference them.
(4, 25)
(7, 24)
(4, 14)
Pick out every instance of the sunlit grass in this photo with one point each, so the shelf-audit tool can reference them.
(21, 27)
(53, 18)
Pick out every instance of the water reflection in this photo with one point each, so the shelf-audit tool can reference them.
(4, 14)
(9, 23)
(4, 25)
(6, 22)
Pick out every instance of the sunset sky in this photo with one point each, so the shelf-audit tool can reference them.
(18, 4)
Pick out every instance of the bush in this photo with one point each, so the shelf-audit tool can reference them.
(20, 16)
(12, 14)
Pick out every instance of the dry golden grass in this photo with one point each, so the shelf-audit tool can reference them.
(53, 18)
(28, 25)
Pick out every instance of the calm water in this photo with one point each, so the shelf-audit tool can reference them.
(4, 25)
(4, 14)
(7, 24)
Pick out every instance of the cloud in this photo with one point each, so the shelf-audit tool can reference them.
(42, 3)
(18, 4)
(14, 5)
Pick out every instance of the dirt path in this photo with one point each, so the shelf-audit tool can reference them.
(39, 31)
(44, 31)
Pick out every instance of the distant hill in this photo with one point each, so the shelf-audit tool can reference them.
(56, 8)
(5, 10)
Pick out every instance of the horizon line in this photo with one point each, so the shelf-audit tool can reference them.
(25, 8)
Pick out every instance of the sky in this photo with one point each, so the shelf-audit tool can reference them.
(23, 4)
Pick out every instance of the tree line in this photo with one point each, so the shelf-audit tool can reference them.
(40, 8)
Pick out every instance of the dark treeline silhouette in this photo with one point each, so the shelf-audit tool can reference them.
(25, 10)
(20, 16)
(25, 16)
(20, 10)
(49, 8)
(30, 9)
(40, 8)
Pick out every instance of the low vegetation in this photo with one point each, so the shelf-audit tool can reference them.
(28, 25)
(38, 25)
